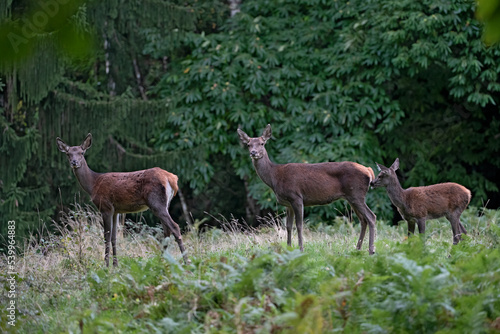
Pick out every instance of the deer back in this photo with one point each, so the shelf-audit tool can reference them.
(436, 200)
(130, 191)
(321, 183)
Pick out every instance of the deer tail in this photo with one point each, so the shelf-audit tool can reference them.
(372, 175)
(172, 180)
(469, 196)
(170, 184)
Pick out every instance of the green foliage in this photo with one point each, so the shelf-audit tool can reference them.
(52, 85)
(247, 77)
(36, 40)
(125, 29)
(423, 284)
(170, 82)
(18, 187)
(488, 11)
(361, 80)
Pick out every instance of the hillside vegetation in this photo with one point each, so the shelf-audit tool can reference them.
(243, 280)
(169, 83)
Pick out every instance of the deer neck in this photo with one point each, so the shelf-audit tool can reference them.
(396, 193)
(265, 169)
(86, 177)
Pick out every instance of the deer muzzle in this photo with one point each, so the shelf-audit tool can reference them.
(255, 155)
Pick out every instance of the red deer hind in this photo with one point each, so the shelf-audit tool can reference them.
(115, 193)
(300, 184)
(417, 204)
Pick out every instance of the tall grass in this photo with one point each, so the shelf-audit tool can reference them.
(246, 280)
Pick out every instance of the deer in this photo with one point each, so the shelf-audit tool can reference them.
(419, 204)
(124, 192)
(297, 185)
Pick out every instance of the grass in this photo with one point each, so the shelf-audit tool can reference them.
(244, 280)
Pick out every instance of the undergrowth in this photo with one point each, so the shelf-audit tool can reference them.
(246, 280)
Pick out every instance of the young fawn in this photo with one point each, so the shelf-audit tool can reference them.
(417, 204)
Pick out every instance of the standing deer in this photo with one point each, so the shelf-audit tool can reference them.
(418, 204)
(300, 184)
(115, 193)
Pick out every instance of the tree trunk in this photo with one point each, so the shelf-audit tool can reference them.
(251, 209)
(185, 210)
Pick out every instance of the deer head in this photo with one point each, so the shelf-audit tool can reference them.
(256, 145)
(386, 175)
(75, 154)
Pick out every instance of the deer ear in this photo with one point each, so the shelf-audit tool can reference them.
(381, 167)
(87, 143)
(395, 165)
(244, 138)
(266, 135)
(62, 145)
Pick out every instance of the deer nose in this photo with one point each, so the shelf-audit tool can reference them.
(253, 152)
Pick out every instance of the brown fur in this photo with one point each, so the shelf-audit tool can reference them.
(121, 193)
(128, 192)
(418, 204)
(298, 184)
(440, 200)
(372, 174)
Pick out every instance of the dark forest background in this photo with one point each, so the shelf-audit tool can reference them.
(167, 83)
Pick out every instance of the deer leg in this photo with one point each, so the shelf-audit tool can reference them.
(113, 238)
(455, 227)
(169, 226)
(298, 210)
(421, 225)
(462, 227)
(372, 219)
(290, 216)
(366, 218)
(158, 202)
(411, 227)
(363, 230)
(107, 218)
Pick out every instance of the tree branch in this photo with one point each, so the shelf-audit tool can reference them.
(138, 77)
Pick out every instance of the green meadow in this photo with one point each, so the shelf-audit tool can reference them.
(246, 280)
